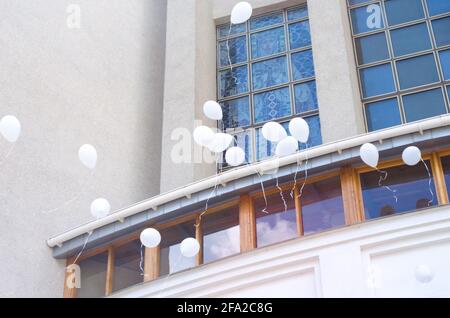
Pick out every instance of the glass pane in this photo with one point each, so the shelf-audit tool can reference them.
(315, 135)
(276, 223)
(266, 148)
(377, 80)
(272, 105)
(266, 20)
(269, 73)
(93, 276)
(410, 184)
(244, 140)
(305, 97)
(171, 259)
(424, 105)
(436, 7)
(224, 30)
(401, 11)
(302, 65)
(417, 71)
(236, 112)
(127, 270)
(411, 39)
(299, 34)
(238, 51)
(297, 13)
(367, 18)
(446, 168)
(322, 206)
(444, 57)
(441, 29)
(233, 82)
(221, 236)
(268, 42)
(383, 114)
(372, 48)
(353, 2)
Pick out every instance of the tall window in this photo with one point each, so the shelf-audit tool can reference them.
(266, 73)
(403, 57)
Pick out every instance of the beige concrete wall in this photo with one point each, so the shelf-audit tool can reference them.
(100, 84)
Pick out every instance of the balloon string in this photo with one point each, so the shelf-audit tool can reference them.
(430, 180)
(281, 195)
(141, 261)
(8, 153)
(383, 177)
(235, 78)
(300, 193)
(74, 198)
(296, 173)
(82, 249)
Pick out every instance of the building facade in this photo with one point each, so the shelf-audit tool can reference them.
(131, 78)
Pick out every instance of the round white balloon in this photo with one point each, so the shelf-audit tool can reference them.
(100, 208)
(411, 156)
(235, 156)
(189, 247)
(369, 154)
(286, 147)
(212, 110)
(203, 135)
(150, 238)
(299, 129)
(88, 156)
(10, 128)
(220, 142)
(273, 132)
(424, 274)
(241, 12)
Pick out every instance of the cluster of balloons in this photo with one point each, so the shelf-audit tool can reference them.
(369, 154)
(151, 238)
(10, 128)
(287, 145)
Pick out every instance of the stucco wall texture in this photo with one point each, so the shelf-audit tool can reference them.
(131, 73)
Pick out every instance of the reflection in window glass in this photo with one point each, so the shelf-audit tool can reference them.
(383, 114)
(305, 97)
(446, 167)
(424, 105)
(298, 13)
(127, 271)
(367, 18)
(353, 2)
(417, 71)
(272, 105)
(244, 140)
(238, 51)
(322, 206)
(401, 11)
(444, 57)
(268, 42)
(269, 73)
(236, 113)
(372, 48)
(221, 236)
(266, 20)
(224, 30)
(441, 33)
(436, 7)
(299, 34)
(171, 259)
(377, 80)
(315, 136)
(93, 276)
(302, 65)
(278, 224)
(410, 39)
(410, 184)
(233, 82)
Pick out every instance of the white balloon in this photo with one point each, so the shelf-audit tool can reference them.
(411, 156)
(10, 128)
(212, 110)
(241, 12)
(424, 274)
(369, 154)
(100, 208)
(203, 135)
(220, 142)
(88, 156)
(189, 247)
(299, 129)
(286, 147)
(235, 156)
(273, 131)
(150, 237)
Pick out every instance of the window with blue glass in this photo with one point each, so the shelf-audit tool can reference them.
(402, 54)
(265, 71)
